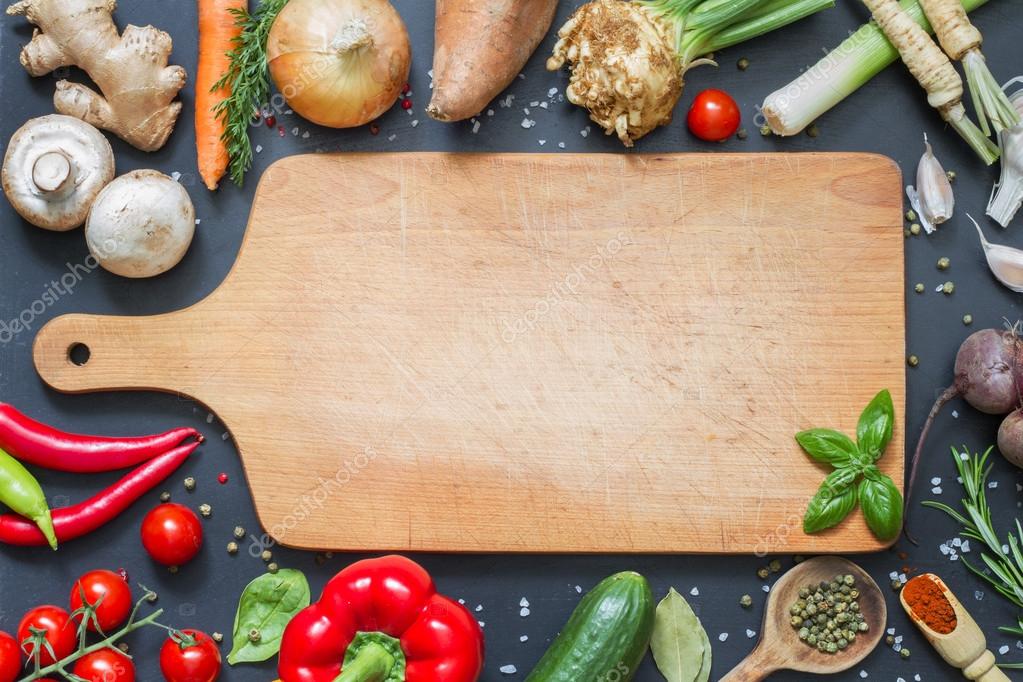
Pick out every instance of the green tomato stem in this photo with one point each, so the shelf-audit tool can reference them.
(60, 666)
(373, 663)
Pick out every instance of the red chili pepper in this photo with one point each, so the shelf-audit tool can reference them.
(380, 617)
(44, 446)
(82, 518)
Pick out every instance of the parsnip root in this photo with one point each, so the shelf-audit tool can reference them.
(130, 69)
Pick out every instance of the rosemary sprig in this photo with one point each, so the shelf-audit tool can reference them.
(1006, 567)
(248, 79)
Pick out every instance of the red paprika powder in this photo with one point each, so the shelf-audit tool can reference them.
(928, 602)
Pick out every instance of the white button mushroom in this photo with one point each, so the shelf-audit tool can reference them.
(140, 225)
(54, 168)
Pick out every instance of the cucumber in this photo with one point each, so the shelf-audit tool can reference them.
(606, 637)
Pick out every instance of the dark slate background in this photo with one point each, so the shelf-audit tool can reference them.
(889, 116)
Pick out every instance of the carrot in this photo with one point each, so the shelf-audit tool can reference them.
(480, 48)
(218, 30)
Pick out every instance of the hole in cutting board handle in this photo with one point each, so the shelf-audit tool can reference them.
(79, 354)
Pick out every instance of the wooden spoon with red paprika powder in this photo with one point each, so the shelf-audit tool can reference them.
(949, 628)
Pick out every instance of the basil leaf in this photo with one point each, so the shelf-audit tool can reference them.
(678, 639)
(827, 446)
(874, 430)
(882, 506)
(267, 605)
(834, 500)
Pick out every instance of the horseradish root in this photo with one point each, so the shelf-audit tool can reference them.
(131, 70)
(933, 71)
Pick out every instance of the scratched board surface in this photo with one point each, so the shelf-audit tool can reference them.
(585, 353)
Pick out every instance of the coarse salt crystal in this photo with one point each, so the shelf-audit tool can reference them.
(584, 132)
(415, 122)
(750, 634)
(475, 127)
(943, 548)
(893, 575)
(863, 674)
(259, 148)
(561, 145)
(695, 592)
(525, 111)
(523, 602)
(479, 607)
(891, 631)
(1004, 649)
(490, 112)
(523, 638)
(552, 92)
(392, 138)
(175, 176)
(936, 490)
(534, 103)
(992, 484)
(936, 480)
(528, 123)
(509, 669)
(542, 142)
(578, 589)
(543, 105)
(523, 612)
(978, 595)
(766, 588)
(957, 542)
(965, 546)
(723, 636)
(955, 414)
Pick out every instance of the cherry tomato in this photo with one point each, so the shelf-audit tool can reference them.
(60, 632)
(714, 116)
(197, 663)
(105, 665)
(108, 593)
(172, 534)
(10, 658)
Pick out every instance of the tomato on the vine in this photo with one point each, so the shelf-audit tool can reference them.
(108, 593)
(105, 665)
(172, 534)
(10, 658)
(190, 656)
(60, 632)
(714, 116)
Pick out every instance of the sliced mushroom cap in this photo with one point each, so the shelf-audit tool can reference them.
(140, 225)
(54, 168)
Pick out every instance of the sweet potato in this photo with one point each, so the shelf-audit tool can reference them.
(481, 45)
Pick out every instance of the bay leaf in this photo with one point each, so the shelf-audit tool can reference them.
(678, 641)
(704, 675)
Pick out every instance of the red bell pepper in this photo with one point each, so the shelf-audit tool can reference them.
(381, 620)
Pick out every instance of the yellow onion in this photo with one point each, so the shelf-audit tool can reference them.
(339, 63)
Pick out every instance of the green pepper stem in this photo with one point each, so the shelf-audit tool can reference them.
(373, 663)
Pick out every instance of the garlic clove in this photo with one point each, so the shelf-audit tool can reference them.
(1005, 262)
(932, 198)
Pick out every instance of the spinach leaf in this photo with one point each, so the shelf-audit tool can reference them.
(827, 446)
(834, 500)
(874, 430)
(266, 606)
(882, 505)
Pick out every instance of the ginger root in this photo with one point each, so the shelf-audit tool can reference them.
(131, 69)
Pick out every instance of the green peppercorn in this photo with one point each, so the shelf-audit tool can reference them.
(232, 547)
(742, 64)
(742, 134)
(172, 570)
(798, 559)
(843, 642)
(239, 532)
(272, 567)
(913, 361)
(914, 229)
(811, 639)
(765, 130)
(205, 510)
(217, 637)
(763, 573)
(967, 319)
(796, 621)
(189, 484)
(745, 601)
(165, 496)
(863, 627)
(255, 635)
(890, 640)
(904, 652)
(919, 288)
(775, 566)
(943, 263)
(948, 288)
(266, 555)
(812, 130)
(951, 176)
(803, 634)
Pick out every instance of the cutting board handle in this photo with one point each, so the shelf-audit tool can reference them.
(82, 353)
(761, 662)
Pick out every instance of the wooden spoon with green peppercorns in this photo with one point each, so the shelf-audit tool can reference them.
(780, 647)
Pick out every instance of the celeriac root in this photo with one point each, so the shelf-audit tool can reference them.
(625, 69)
(130, 69)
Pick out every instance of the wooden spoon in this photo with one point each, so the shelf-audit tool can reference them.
(965, 647)
(780, 648)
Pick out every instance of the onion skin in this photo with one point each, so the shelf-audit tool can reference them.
(339, 63)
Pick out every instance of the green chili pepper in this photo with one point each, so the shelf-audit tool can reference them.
(20, 491)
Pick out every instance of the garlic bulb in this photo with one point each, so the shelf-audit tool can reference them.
(1007, 195)
(625, 69)
(932, 198)
(1005, 262)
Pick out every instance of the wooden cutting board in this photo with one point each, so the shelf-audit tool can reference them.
(577, 353)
